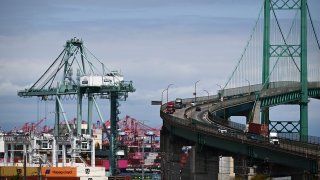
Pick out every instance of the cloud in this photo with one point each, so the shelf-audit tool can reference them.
(154, 43)
(8, 88)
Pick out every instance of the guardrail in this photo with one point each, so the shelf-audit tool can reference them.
(291, 141)
(200, 99)
(247, 99)
(286, 146)
(296, 137)
(16, 139)
(258, 87)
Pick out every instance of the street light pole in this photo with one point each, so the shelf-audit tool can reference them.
(249, 86)
(168, 91)
(208, 97)
(162, 95)
(195, 91)
(221, 98)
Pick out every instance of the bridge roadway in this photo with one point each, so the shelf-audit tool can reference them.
(202, 127)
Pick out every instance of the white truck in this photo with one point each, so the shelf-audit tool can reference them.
(273, 136)
(178, 103)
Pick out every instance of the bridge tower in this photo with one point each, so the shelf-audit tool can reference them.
(287, 50)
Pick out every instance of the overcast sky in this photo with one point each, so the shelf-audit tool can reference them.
(153, 42)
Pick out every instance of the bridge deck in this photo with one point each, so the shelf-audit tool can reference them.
(189, 124)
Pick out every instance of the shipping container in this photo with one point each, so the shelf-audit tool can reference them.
(94, 178)
(59, 178)
(119, 178)
(111, 79)
(254, 128)
(122, 164)
(264, 130)
(99, 162)
(19, 177)
(259, 129)
(90, 171)
(93, 81)
(17, 171)
(59, 172)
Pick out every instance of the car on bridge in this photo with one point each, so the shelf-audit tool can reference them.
(170, 108)
(178, 103)
(273, 136)
(222, 131)
(253, 137)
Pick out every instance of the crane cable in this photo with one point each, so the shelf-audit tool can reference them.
(36, 83)
(314, 31)
(103, 66)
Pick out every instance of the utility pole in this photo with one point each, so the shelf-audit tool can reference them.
(208, 97)
(195, 91)
(162, 96)
(168, 92)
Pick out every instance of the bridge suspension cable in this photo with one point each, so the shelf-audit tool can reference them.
(314, 51)
(253, 42)
(283, 38)
(284, 61)
(293, 32)
(314, 31)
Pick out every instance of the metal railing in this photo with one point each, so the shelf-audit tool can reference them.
(306, 146)
(286, 146)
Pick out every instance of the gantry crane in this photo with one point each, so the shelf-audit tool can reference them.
(31, 126)
(59, 81)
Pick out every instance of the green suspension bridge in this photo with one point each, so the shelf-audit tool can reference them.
(280, 65)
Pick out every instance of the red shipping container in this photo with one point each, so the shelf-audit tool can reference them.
(254, 128)
(264, 130)
(122, 164)
(261, 129)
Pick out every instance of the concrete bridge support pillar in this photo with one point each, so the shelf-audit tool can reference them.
(199, 163)
(169, 161)
(226, 168)
(256, 113)
(204, 163)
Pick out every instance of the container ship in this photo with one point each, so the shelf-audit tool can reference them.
(34, 152)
